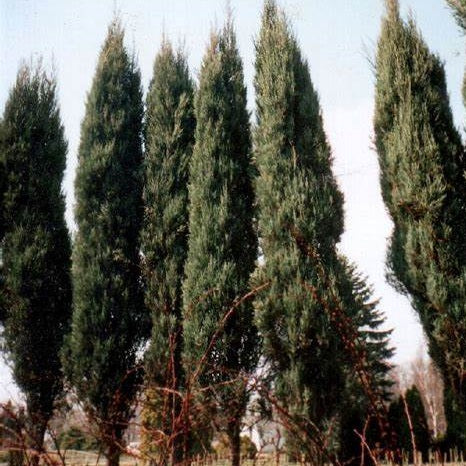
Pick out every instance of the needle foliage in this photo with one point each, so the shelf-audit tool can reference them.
(423, 165)
(108, 311)
(35, 244)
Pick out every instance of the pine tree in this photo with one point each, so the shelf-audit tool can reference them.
(300, 221)
(222, 241)
(422, 165)
(356, 412)
(35, 244)
(169, 138)
(108, 314)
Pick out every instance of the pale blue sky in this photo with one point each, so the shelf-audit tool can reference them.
(338, 38)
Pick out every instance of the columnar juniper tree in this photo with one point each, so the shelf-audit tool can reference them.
(300, 222)
(169, 137)
(422, 166)
(222, 241)
(459, 9)
(107, 301)
(35, 244)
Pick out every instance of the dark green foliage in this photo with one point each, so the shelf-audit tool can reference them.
(455, 414)
(35, 245)
(101, 354)
(222, 241)
(319, 325)
(357, 414)
(169, 137)
(300, 222)
(413, 426)
(75, 438)
(3, 295)
(424, 188)
(3, 181)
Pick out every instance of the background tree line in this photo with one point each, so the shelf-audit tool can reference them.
(204, 279)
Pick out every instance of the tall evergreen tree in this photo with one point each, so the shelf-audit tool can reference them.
(222, 241)
(102, 349)
(169, 138)
(35, 244)
(374, 350)
(423, 181)
(300, 222)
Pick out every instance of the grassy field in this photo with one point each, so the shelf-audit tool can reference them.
(81, 458)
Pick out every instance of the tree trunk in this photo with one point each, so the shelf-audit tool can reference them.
(113, 454)
(37, 431)
(176, 428)
(235, 443)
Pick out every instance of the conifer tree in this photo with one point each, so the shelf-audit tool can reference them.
(35, 245)
(222, 240)
(108, 314)
(422, 165)
(169, 138)
(300, 221)
(356, 412)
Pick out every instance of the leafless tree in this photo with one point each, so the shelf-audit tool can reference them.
(429, 382)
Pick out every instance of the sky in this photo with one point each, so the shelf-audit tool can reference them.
(338, 37)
